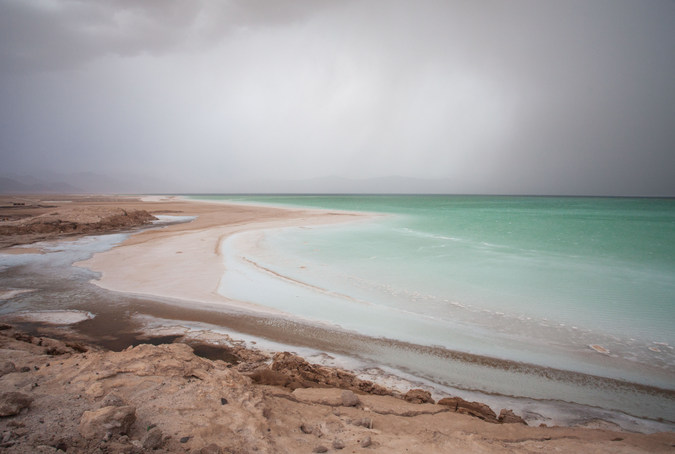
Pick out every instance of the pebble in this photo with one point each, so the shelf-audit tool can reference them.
(223, 401)
(364, 422)
(306, 429)
(7, 367)
(111, 400)
(366, 442)
(12, 403)
(320, 448)
(153, 439)
(338, 444)
(184, 439)
(349, 399)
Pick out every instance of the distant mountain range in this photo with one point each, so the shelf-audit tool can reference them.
(340, 185)
(12, 186)
(88, 182)
(79, 183)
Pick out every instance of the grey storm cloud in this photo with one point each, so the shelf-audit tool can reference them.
(46, 34)
(571, 97)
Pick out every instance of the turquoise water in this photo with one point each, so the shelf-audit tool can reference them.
(537, 280)
(608, 264)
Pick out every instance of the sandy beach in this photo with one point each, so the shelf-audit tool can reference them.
(181, 264)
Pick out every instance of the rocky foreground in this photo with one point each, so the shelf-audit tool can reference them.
(24, 223)
(58, 396)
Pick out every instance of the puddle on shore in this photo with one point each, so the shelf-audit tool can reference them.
(213, 352)
(122, 340)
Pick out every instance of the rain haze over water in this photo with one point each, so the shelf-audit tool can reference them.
(521, 97)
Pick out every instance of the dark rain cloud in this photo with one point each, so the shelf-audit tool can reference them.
(46, 34)
(500, 97)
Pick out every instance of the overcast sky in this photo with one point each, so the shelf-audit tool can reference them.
(542, 97)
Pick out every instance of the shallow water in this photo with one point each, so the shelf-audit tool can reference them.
(543, 394)
(544, 281)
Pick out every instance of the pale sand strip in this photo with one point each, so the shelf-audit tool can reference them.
(183, 262)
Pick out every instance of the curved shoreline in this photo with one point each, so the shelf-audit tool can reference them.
(184, 261)
(157, 250)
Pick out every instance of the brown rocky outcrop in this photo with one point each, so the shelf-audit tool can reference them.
(477, 409)
(66, 221)
(184, 403)
(6, 367)
(509, 417)
(116, 420)
(418, 396)
(293, 372)
(153, 439)
(11, 403)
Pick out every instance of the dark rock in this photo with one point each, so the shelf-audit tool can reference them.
(23, 337)
(338, 444)
(24, 369)
(12, 403)
(116, 420)
(7, 367)
(152, 439)
(366, 442)
(79, 348)
(477, 409)
(349, 399)
(320, 448)
(305, 429)
(61, 445)
(418, 396)
(4, 326)
(56, 350)
(509, 417)
(184, 439)
(223, 401)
